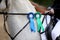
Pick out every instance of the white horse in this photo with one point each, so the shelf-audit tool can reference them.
(16, 22)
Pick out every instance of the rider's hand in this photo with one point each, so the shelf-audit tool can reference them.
(51, 11)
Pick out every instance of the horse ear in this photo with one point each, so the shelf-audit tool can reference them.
(0, 1)
(2, 5)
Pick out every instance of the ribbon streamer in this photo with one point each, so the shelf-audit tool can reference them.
(39, 23)
(31, 19)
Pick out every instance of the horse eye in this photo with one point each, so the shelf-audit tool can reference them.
(0, 1)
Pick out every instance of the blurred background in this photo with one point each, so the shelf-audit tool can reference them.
(45, 3)
(3, 34)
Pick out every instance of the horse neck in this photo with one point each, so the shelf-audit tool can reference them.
(19, 6)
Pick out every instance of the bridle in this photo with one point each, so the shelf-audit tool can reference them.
(5, 15)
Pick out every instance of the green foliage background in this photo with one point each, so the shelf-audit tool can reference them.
(44, 2)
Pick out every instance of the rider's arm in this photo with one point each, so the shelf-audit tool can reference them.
(38, 7)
